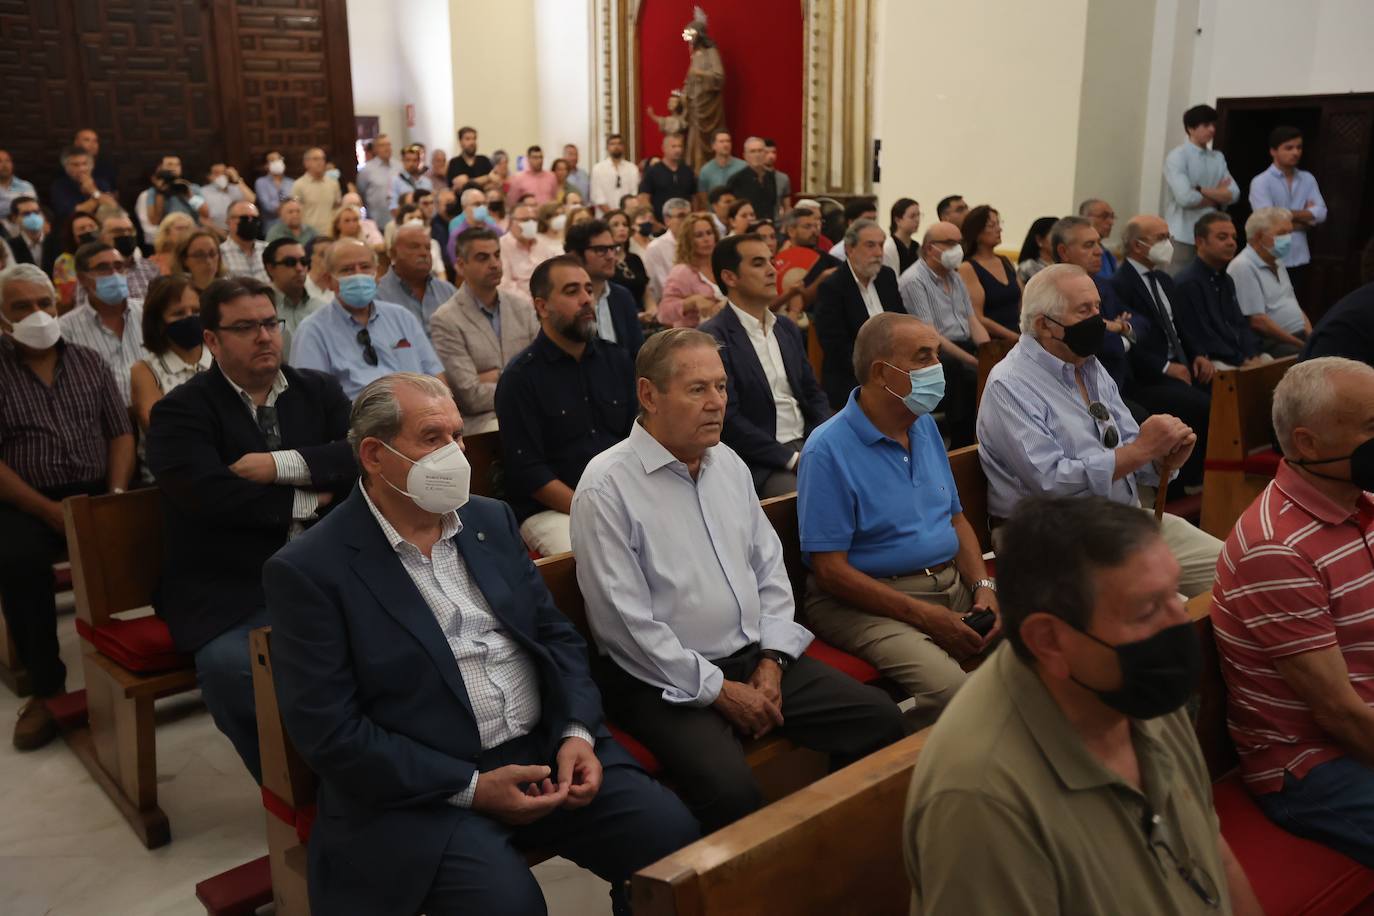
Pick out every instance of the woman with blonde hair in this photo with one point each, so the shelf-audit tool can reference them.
(171, 232)
(690, 295)
(348, 223)
(553, 222)
(198, 259)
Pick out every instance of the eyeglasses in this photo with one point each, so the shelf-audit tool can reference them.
(202, 255)
(292, 262)
(1099, 412)
(369, 352)
(105, 270)
(1188, 868)
(245, 328)
(602, 250)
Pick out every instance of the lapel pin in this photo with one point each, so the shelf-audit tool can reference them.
(481, 535)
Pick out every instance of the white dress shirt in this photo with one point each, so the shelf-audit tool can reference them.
(658, 261)
(677, 572)
(1168, 306)
(612, 181)
(791, 423)
(869, 293)
(291, 467)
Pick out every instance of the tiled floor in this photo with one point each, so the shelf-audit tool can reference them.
(65, 850)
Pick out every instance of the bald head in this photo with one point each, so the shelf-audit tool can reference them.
(939, 238)
(889, 337)
(1142, 233)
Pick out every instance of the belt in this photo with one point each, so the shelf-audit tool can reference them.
(927, 571)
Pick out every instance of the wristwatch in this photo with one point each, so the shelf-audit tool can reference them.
(989, 584)
(781, 660)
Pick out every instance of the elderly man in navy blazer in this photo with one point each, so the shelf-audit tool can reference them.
(773, 399)
(427, 678)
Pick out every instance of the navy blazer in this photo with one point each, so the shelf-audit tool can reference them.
(1150, 352)
(751, 415)
(1216, 323)
(839, 314)
(1113, 354)
(629, 333)
(373, 699)
(221, 528)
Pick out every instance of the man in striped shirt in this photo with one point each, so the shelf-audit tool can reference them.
(63, 431)
(111, 323)
(1294, 614)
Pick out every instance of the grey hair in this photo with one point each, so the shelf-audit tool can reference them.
(874, 341)
(1306, 397)
(1059, 232)
(1134, 230)
(340, 248)
(1043, 294)
(655, 359)
(851, 235)
(676, 205)
(1264, 219)
(376, 412)
(474, 190)
(408, 227)
(29, 273)
(1087, 205)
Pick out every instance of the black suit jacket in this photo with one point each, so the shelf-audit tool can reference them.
(50, 251)
(839, 314)
(374, 700)
(751, 414)
(1215, 322)
(1150, 352)
(629, 333)
(221, 528)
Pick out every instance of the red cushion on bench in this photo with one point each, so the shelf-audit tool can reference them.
(143, 645)
(851, 665)
(238, 891)
(1261, 464)
(62, 577)
(638, 751)
(1290, 875)
(1185, 506)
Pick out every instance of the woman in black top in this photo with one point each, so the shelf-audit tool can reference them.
(629, 267)
(905, 220)
(1035, 250)
(990, 278)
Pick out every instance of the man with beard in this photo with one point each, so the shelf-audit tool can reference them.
(564, 399)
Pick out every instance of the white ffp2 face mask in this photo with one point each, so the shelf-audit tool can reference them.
(440, 482)
(528, 228)
(37, 331)
(1161, 253)
(951, 258)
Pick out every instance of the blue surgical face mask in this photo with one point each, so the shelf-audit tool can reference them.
(112, 289)
(332, 174)
(480, 213)
(1282, 245)
(33, 222)
(358, 290)
(927, 389)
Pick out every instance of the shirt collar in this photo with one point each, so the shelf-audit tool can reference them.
(751, 324)
(278, 386)
(1035, 351)
(348, 318)
(1311, 500)
(863, 287)
(449, 526)
(863, 427)
(175, 363)
(653, 456)
(1139, 268)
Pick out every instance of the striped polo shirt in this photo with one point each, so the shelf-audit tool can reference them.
(1296, 575)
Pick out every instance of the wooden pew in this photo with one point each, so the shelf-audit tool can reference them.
(1240, 456)
(989, 355)
(115, 544)
(972, 485)
(834, 846)
(1290, 875)
(483, 452)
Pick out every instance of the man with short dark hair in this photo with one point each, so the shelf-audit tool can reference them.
(717, 171)
(1069, 757)
(1103, 218)
(110, 323)
(578, 179)
(171, 193)
(756, 183)
(224, 187)
(617, 315)
(773, 400)
(861, 288)
(613, 177)
(468, 165)
(245, 455)
(1285, 185)
(952, 209)
(63, 431)
(288, 266)
(34, 243)
(410, 178)
(720, 198)
(481, 328)
(375, 179)
(242, 251)
(781, 180)
(78, 189)
(117, 231)
(411, 282)
(562, 400)
(1196, 181)
(535, 181)
(1208, 309)
(668, 179)
(689, 599)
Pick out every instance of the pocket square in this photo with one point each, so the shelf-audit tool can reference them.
(402, 344)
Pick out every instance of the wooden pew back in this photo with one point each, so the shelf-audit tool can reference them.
(1210, 720)
(115, 543)
(1239, 422)
(972, 485)
(834, 846)
(483, 452)
(989, 355)
(781, 511)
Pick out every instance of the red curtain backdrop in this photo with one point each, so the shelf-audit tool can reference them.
(760, 43)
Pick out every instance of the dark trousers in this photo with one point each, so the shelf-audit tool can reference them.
(1332, 805)
(224, 671)
(823, 709)
(28, 549)
(632, 822)
(770, 482)
(960, 403)
(1190, 404)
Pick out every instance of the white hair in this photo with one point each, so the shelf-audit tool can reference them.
(467, 192)
(1305, 396)
(28, 273)
(676, 205)
(1044, 294)
(376, 412)
(1265, 219)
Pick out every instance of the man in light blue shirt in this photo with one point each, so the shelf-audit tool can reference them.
(690, 602)
(410, 178)
(720, 168)
(374, 181)
(1285, 185)
(411, 282)
(358, 338)
(1196, 181)
(1052, 423)
(577, 179)
(1264, 289)
(273, 189)
(11, 186)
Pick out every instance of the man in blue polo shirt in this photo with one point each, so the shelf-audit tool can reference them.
(895, 567)
(358, 338)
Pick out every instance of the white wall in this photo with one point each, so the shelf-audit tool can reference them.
(372, 54)
(402, 56)
(563, 48)
(495, 87)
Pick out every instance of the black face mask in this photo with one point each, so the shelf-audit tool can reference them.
(186, 332)
(126, 245)
(86, 238)
(249, 228)
(1158, 674)
(1084, 338)
(1361, 466)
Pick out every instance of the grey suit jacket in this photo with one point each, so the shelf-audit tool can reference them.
(467, 346)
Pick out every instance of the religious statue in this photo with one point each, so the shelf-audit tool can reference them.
(702, 92)
(673, 122)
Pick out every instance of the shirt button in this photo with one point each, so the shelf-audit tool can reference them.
(905, 458)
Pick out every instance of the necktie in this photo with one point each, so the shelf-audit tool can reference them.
(1175, 345)
(270, 427)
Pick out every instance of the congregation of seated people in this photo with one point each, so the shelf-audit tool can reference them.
(294, 364)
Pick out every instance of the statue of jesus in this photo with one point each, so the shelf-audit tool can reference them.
(702, 92)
